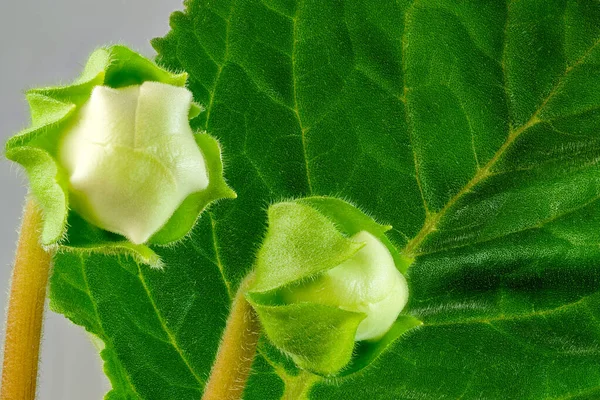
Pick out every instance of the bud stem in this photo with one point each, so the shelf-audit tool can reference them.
(236, 352)
(25, 310)
(298, 387)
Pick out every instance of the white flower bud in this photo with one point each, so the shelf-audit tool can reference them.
(131, 158)
(368, 282)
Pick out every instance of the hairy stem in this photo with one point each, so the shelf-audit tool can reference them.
(237, 350)
(25, 310)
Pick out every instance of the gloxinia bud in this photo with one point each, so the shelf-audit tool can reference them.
(368, 282)
(117, 150)
(131, 158)
(326, 277)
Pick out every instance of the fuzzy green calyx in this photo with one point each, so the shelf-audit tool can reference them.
(327, 277)
(112, 158)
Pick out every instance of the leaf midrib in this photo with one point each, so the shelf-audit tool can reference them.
(296, 109)
(432, 219)
(512, 317)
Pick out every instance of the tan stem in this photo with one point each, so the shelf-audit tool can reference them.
(236, 352)
(25, 310)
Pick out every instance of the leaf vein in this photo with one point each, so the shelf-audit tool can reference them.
(539, 225)
(161, 320)
(220, 66)
(105, 338)
(407, 114)
(500, 318)
(432, 220)
(219, 263)
(295, 95)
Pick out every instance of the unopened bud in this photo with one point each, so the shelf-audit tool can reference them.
(131, 158)
(112, 159)
(368, 283)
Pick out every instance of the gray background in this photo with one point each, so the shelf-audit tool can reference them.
(46, 42)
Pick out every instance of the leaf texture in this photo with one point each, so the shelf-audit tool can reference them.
(471, 127)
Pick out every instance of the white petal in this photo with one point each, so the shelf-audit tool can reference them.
(132, 158)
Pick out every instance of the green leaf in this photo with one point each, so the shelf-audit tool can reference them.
(471, 127)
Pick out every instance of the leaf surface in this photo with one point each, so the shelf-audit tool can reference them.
(471, 127)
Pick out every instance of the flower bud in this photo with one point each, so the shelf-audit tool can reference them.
(131, 158)
(326, 277)
(112, 158)
(368, 282)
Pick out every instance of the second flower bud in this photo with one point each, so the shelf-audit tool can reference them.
(329, 286)
(368, 282)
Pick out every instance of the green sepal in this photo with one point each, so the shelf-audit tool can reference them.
(320, 339)
(366, 352)
(185, 217)
(350, 220)
(289, 255)
(195, 110)
(36, 149)
(85, 238)
(44, 179)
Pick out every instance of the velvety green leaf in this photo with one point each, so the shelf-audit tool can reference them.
(471, 127)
